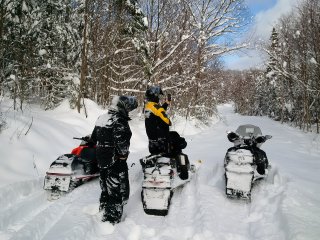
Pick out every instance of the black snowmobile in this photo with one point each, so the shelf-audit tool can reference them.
(245, 162)
(163, 174)
(69, 171)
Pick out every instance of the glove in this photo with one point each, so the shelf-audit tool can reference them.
(86, 138)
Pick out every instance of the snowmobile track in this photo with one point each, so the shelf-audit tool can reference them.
(22, 220)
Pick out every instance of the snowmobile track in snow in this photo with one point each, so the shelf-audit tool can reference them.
(31, 216)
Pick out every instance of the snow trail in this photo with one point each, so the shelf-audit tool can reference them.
(284, 206)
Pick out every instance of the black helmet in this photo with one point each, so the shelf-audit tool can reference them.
(153, 93)
(124, 104)
(129, 103)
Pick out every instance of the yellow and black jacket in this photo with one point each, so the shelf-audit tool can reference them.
(157, 127)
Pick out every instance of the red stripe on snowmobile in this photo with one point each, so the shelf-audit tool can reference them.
(85, 177)
(58, 174)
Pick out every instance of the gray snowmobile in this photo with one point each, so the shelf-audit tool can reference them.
(245, 162)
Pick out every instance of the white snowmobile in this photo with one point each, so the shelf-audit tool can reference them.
(71, 170)
(245, 162)
(163, 174)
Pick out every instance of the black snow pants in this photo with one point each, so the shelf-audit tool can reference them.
(261, 160)
(114, 183)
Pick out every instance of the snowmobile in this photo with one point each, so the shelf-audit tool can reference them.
(245, 162)
(162, 175)
(69, 171)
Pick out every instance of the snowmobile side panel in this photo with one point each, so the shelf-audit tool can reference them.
(178, 182)
(87, 177)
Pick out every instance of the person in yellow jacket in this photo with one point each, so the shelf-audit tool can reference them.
(156, 121)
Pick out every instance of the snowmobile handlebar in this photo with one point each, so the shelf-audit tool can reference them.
(86, 138)
(248, 140)
(151, 157)
(77, 138)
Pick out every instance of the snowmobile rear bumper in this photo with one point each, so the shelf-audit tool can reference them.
(235, 193)
(238, 185)
(156, 201)
(57, 182)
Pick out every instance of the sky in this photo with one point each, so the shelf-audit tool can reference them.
(284, 205)
(265, 14)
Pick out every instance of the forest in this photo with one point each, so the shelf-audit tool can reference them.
(75, 49)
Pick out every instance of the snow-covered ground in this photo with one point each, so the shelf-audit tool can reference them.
(284, 206)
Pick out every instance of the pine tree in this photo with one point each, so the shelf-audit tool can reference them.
(39, 50)
(57, 45)
(273, 79)
(16, 47)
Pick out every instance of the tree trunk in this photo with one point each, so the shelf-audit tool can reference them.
(84, 66)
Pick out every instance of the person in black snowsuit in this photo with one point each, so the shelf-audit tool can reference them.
(156, 121)
(111, 135)
(161, 139)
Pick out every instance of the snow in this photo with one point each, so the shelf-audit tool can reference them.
(42, 52)
(313, 60)
(12, 77)
(283, 206)
(285, 64)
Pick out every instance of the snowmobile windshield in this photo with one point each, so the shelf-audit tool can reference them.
(248, 130)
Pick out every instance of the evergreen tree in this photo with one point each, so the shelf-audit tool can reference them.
(39, 50)
(273, 79)
(16, 46)
(57, 42)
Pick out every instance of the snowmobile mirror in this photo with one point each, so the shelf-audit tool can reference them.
(232, 136)
(268, 137)
(261, 139)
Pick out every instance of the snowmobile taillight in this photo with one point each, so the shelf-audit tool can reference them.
(156, 182)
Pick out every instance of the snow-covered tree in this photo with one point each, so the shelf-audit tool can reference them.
(39, 41)
(290, 88)
(57, 43)
(186, 40)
